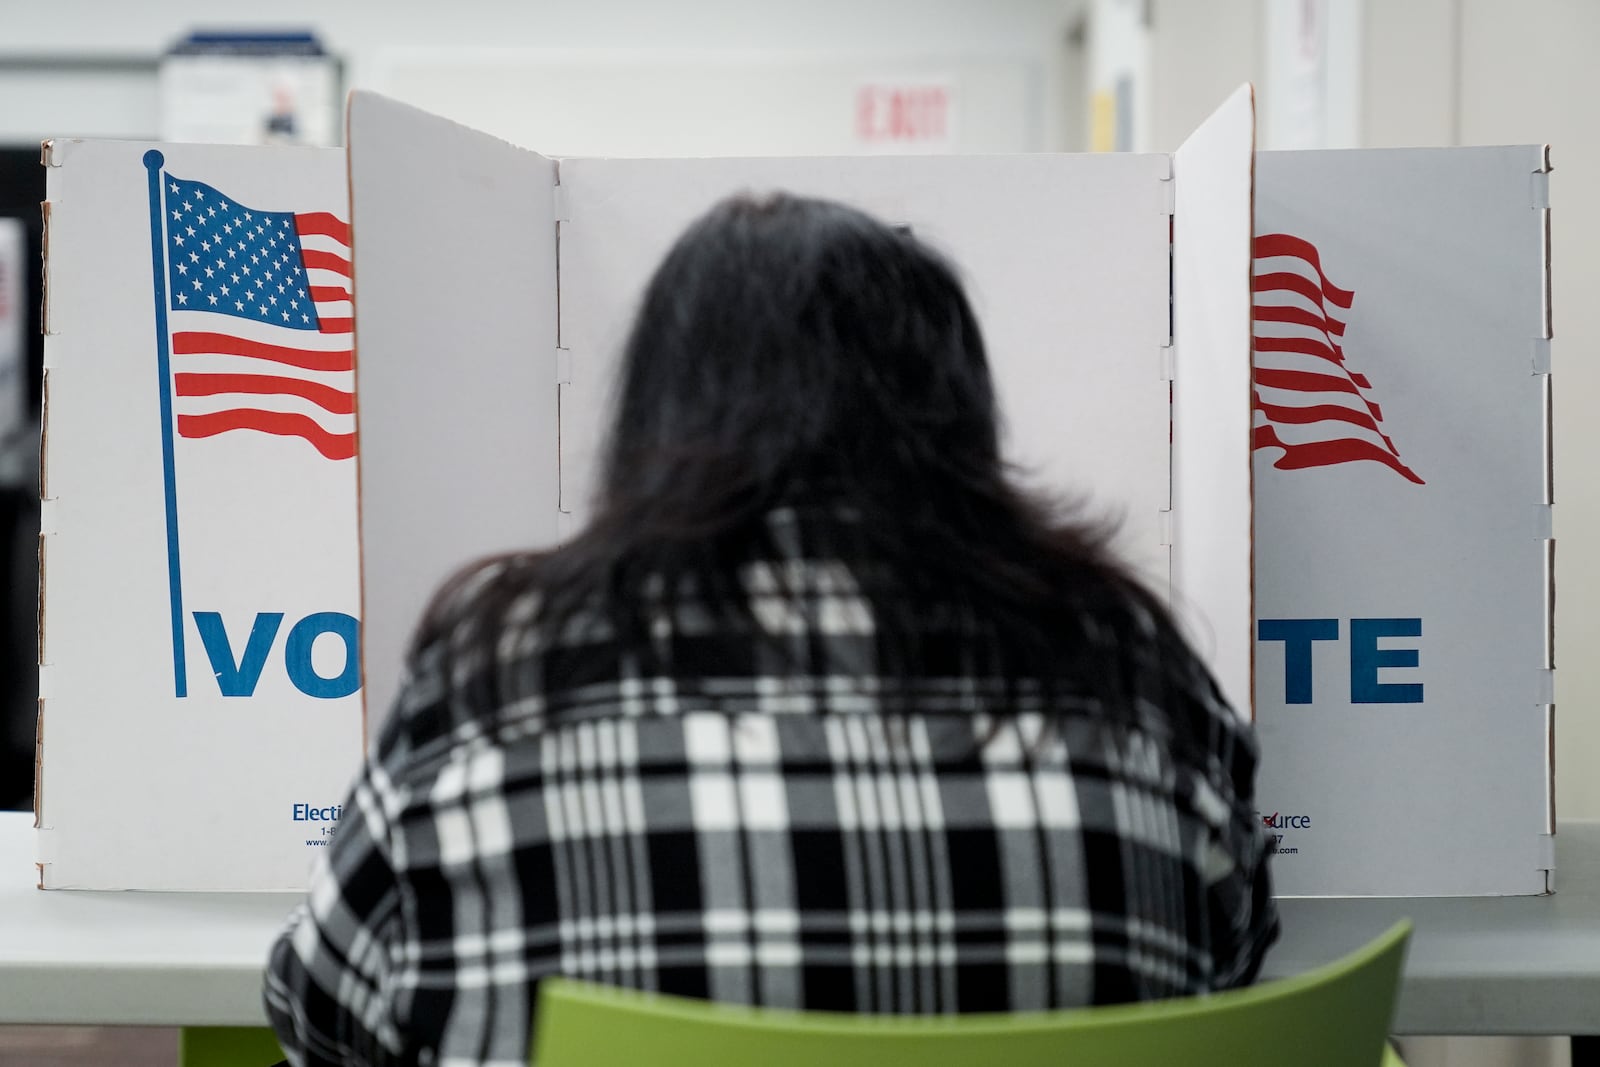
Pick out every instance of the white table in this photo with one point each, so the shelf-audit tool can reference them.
(157, 959)
(1508, 965)
(1476, 965)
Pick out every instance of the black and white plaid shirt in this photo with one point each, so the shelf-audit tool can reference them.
(726, 829)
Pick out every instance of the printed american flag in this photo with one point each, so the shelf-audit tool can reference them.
(1308, 402)
(261, 319)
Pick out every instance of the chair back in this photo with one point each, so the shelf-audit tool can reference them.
(1336, 1016)
(228, 1046)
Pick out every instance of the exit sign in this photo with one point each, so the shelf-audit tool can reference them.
(904, 116)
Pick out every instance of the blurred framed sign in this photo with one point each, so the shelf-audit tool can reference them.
(250, 88)
(13, 347)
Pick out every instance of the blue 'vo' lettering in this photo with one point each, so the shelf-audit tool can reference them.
(238, 674)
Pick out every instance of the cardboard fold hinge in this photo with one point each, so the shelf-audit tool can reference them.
(1543, 522)
(1169, 196)
(1167, 356)
(1165, 523)
(44, 846)
(50, 152)
(563, 366)
(1547, 853)
(1539, 190)
(1544, 682)
(1540, 359)
(558, 201)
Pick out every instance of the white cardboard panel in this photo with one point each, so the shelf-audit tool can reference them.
(1211, 556)
(456, 270)
(154, 776)
(1064, 257)
(1433, 261)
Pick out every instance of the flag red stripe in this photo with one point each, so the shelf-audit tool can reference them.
(1304, 381)
(323, 224)
(1309, 382)
(329, 292)
(317, 259)
(1285, 313)
(1275, 281)
(336, 325)
(197, 343)
(1328, 453)
(1317, 413)
(281, 423)
(1311, 413)
(337, 401)
(1307, 346)
(1283, 244)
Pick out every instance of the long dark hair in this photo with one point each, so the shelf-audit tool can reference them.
(797, 353)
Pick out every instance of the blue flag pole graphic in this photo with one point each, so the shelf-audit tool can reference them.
(153, 162)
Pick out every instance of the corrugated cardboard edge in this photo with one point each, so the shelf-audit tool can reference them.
(563, 216)
(1250, 329)
(1540, 201)
(51, 154)
(38, 769)
(355, 414)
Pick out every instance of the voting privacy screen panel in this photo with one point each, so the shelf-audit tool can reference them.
(1065, 259)
(456, 268)
(199, 663)
(1402, 519)
(1211, 560)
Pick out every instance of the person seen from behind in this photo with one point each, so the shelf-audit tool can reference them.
(823, 710)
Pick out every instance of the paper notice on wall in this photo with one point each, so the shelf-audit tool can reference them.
(251, 89)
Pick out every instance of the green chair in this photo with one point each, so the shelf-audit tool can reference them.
(1336, 1016)
(227, 1046)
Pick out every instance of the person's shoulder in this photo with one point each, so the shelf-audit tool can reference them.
(449, 690)
(1185, 696)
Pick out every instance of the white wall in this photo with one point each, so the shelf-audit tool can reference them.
(715, 103)
(1529, 73)
(1199, 53)
(1409, 90)
(1003, 53)
(355, 26)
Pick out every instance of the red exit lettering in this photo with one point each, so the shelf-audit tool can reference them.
(902, 114)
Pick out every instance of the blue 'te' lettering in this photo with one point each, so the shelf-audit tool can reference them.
(1297, 635)
(297, 655)
(1366, 658)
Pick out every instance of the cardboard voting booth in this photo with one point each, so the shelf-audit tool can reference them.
(1388, 630)
(199, 714)
(1402, 520)
(1336, 520)
(1068, 259)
